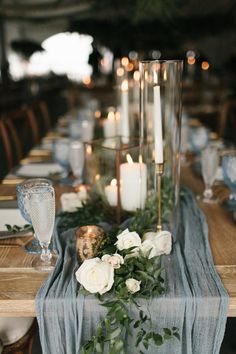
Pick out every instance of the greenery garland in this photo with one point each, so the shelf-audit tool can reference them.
(111, 334)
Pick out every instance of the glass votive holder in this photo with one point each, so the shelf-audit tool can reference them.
(88, 241)
(117, 174)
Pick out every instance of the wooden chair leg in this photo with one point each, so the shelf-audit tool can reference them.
(7, 144)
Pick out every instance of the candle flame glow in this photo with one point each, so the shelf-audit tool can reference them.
(124, 85)
(120, 72)
(117, 115)
(111, 115)
(124, 61)
(97, 114)
(136, 75)
(191, 60)
(205, 65)
(97, 177)
(90, 230)
(89, 150)
(129, 159)
(113, 182)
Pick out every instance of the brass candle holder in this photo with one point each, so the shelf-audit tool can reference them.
(159, 172)
(88, 241)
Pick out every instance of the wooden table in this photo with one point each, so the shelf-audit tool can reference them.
(19, 282)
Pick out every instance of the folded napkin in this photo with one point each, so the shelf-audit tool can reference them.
(11, 217)
(39, 169)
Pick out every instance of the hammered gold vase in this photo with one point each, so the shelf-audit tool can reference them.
(88, 241)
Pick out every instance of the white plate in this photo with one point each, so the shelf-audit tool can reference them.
(39, 170)
(11, 217)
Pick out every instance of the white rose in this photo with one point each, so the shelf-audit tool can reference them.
(115, 260)
(70, 202)
(95, 275)
(159, 242)
(148, 246)
(163, 242)
(132, 285)
(127, 240)
(149, 236)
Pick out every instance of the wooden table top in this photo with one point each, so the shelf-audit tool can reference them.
(19, 282)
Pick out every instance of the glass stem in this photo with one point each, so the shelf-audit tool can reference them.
(208, 193)
(46, 254)
(232, 196)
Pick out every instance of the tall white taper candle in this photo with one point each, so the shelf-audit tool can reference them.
(157, 125)
(125, 111)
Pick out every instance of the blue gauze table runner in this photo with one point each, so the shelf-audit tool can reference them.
(195, 302)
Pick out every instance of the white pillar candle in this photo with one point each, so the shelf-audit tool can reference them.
(111, 193)
(125, 111)
(109, 125)
(133, 180)
(157, 125)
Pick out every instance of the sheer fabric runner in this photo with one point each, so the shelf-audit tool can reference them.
(195, 302)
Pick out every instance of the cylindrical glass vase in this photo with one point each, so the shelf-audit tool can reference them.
(160, 129)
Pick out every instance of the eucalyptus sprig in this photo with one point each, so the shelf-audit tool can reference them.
(15, 228)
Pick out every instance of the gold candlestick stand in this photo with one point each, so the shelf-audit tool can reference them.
(159, 172)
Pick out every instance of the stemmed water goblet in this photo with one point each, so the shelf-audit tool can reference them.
(199, 139)
(209, 163)
(229, 174)
(76, 159)
(42, 213)
(23, 204)
(61, 154)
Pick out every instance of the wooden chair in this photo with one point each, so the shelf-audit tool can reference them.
(10, 147)
(227, 120)
(42, 117)
(24, 345)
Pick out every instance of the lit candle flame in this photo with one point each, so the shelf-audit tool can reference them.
(97, 177)
(90, 230)
(111, 115)
(117, 115)
(97, 114)
(129, 159)
(136, 75)
(113, 182)
(89, 150)
(124, 85)
(191, 60)
(120, 72)
(124, 61)
(205, 65)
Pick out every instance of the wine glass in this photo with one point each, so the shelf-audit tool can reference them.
(23, 204)
(229, 174)
(42, 213)
(209, 162)
(199, 138)
(76, 158)
(61, 154)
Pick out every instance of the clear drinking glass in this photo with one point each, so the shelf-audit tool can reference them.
(210, 163)
(23, 204)
(61, 154)
(42, 213)
(76, 158)
(229, 174)
(199, 139)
